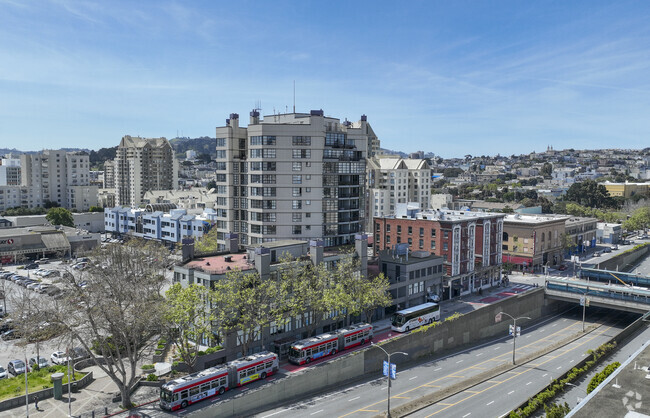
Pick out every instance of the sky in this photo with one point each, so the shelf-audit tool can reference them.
(448, 77)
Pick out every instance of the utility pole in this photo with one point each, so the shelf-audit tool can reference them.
(388, 374)
(514, 332)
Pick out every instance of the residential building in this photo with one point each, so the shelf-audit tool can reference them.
(469, 242)
(143, 164)
(265, 259)
(414, 277)
(109, 174)
(160, 222)
(297, 175)
(396, 180)
(531, 242)
(59, 177)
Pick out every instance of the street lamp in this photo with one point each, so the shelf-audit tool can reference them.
(576, 386)
(584, 302)
(497, 318)
(388, 374)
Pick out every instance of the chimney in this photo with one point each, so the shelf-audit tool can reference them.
(234, 120)
(263, 262)
(255, 117)
(316, 251)
(232, 242)
(361, 247)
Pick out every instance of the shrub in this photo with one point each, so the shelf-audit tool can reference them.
(152, 377)
(200, 353)
(210, 350)
(147, 366)
(600, 377)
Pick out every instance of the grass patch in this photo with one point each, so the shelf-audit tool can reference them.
(37, 380)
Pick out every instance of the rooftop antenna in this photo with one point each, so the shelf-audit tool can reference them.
(294, 96)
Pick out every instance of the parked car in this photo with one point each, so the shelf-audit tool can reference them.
(40, 361)
(12, 334)
(3, 373)
(607, 250)
(16, 367)
(59, 357)
(79, 266)
(597, 254)
(79, 353)
(31, 266)
(42, 288)
(43, 261)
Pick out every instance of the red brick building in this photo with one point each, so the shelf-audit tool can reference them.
(469, 242)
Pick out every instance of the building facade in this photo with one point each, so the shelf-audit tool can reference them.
(395, 180)
(143, 164)
(292, 176)
(265, 259)
(531, 242)
(468, 242)
(59, 177)
(582, 232)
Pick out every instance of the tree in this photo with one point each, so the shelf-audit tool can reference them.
(96, 209)
(568, 243)
(246, 303)
(207, 243)
(118, 310)
(589, 193)
(547, 170)
(640, 219)
(212, 185)
(452, 172)
(189, 318)
(60, 216)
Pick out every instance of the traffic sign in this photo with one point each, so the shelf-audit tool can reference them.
(497, 318)
(393, 371)
(385, 368)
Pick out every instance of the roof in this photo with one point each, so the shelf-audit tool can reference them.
(218, 265)
(534, 219)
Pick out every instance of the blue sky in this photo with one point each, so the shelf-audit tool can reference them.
(453, 77)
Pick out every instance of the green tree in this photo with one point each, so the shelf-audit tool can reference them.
(589, 193)
(568, 243)
(189, 317)
(547, 170)
(96, 209)
(640, 219)
(246, 303)
(207, 243)
(452, 172)
(556, 411)
(212, 185)
(60, 216)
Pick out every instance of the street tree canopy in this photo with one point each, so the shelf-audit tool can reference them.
(113, 309)
(60, 216)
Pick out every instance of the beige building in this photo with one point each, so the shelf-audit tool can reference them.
(141, 165)
(396, 180)
(627, 190)
(531, 242)
(292, 176)
(59, 177)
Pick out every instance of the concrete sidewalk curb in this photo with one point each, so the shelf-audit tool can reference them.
(432, 398)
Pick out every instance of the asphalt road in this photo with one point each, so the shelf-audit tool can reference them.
(369, 399)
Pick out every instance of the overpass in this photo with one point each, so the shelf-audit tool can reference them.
(613, 296)
(619, 277)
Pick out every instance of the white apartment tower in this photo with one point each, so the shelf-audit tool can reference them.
(393, 180)
(292, 176)
(60, 177)
(142, 165)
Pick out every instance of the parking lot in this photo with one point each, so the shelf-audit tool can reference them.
(18, 348)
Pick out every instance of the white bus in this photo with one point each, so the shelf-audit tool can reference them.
(179, 393)
(410, 318)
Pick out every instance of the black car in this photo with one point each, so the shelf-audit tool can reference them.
(607, 250)
(31, 266)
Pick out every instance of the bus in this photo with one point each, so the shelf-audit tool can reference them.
(309, 349)
(184, 391)
(410, 318)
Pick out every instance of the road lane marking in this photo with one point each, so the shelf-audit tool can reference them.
(511, 392)
(489, 403)
(528, 383)
(430, 384)
(479, 354)
(459, 361)
(466, 415)
(317, 412)
(354, 399)
(400, 397)
(496, 348)
(414, 377)
(275, 413)
(554, 325)
(545, 374)
(558, 367)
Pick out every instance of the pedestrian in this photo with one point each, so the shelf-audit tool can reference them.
(36, 401)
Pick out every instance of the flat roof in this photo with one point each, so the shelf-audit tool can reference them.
(218, 265)
(534, 219)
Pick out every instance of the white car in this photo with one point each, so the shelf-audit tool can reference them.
(59, 357)
(3, 373)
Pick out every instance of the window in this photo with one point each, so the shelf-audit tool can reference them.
(399, 229)
(296, 204)
(421, 244)
(445, 246)
(262, 140)
(433, 245)
(297, 229)
(445, 234)
(410, 230)
(297, 166)
(221, 142)
(296, 192)
(301, 140)
(388, 228)
(301, 153)
(296, 217)
(297, 179)
(421, 232)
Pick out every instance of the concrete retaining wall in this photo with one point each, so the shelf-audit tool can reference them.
(625, 261)
(442, 339)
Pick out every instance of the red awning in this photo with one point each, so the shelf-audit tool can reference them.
(517, 260)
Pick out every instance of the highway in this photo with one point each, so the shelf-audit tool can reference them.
(492, 398)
